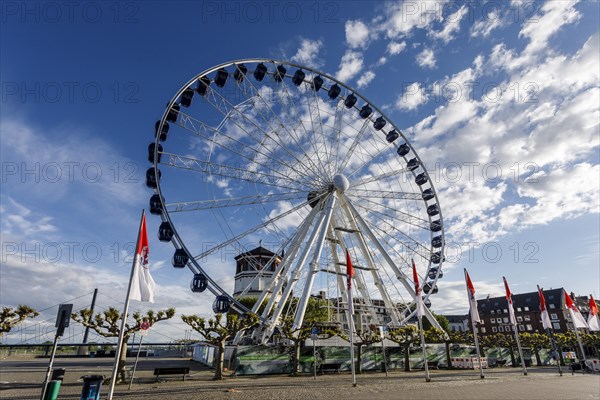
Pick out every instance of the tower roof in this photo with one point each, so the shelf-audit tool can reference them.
(259, 251)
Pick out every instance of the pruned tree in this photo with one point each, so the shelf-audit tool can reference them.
(406, 336)
(11, 317)
(366, 337)
(536, 342)
(316, 313)
(108, 324)
(218, 331)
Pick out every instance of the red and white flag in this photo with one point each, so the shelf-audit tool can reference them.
(142, 284)
(418, 298)
(593, 317)
(472, 302)
(546, 322)
(576, 316)
(350, 274)
(511, 309)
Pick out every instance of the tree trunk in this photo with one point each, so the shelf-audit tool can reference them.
(220, 357)
(406, 357)
(122, 361)
(512, 356)
(538, 360)
(448, 358)
(296, 358)
(359, 358)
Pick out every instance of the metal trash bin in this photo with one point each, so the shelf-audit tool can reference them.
(52, 389)
(92, 386)
(58, 374)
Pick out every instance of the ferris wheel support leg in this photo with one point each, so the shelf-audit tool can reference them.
(314, 264)
(376, 278)
(399, 274)
(294, 278)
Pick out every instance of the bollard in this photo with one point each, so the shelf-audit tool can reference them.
(92, 386)
(52, 390)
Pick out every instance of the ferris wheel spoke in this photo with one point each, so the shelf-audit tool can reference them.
(203, 131)
(320, 165)
(353, 146)
(383, 194)
(337, 130)
(376, 178)
(227, 171)
(397, 215)
(312, 101)
(232, 202)
(247, 84)
(251, 230)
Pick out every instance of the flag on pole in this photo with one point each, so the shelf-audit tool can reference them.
(418, 298)
(545, 317)
(511, 309)
(142, 284)
(472, 302)
(576, 316)
(350, 274)
(593, 317)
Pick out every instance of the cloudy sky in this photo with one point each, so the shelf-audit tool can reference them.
(500, 100)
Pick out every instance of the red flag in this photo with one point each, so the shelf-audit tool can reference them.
(418, 298)
(511, 310)
(546, 323)
(593, 321)
(349, 269)
(578, 319)
(416, 279)
(470, 284)
(142, 284)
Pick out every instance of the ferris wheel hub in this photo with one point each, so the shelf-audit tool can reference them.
(341, 183)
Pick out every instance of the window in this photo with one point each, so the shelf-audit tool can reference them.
(482, 329)
(505, 319)
(528, 300)
(552, 306)
(500, 329)
(518, 309)
(496, 304)
(505, 311)
(551, 297)
(521, 328)
(492, 312)
(554, 316)
(519, 319)
(556, 325)
(493, 320)
(526, 308)
(569, 326)
(527, 318)
(529, 327)
(494, 329)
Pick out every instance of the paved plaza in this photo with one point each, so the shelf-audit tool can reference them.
(21, 380)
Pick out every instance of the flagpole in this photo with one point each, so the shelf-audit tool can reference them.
(474, 332)
(548, 326)
(351, 325)
(578, 341)
(514, 324)
(113, 376)
(555, 348)
(520, 349)
(427, 378)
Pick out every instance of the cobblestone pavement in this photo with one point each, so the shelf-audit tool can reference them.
(21, 380)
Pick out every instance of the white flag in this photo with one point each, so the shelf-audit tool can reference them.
(142, 284)
(472, 302)
(576, 316)
(511, 309)
(545, 317)
(593, 317)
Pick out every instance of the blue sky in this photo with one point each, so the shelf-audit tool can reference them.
(483, 84)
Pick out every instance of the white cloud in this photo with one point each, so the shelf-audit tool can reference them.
(308, 53)
(451, 25)
(413, 97)
(426, 59)
(396, 47)
(401, 18)
(350, 65)
(364, 80)
(485, 26)
(357, 34)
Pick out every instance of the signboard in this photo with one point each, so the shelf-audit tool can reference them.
(62, 318)
(144, 326)
(314, 332)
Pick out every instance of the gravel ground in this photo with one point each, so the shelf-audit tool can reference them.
(21, 379)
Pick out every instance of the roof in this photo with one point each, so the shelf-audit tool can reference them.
(259, 251)
(522, 300)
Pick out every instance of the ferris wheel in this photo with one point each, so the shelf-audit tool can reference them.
(271, 152)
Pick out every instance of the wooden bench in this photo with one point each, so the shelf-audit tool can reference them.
(171, 371)
(330, 367)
